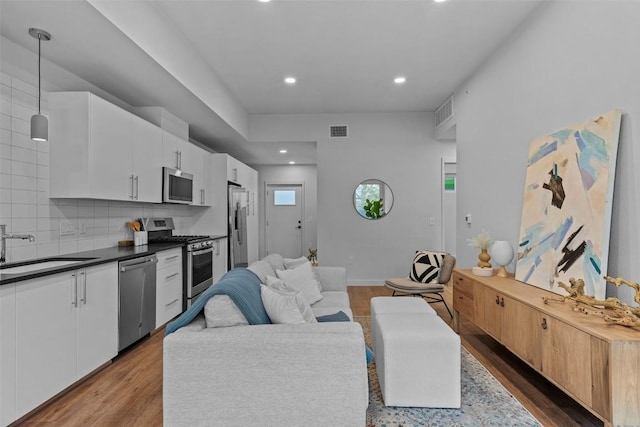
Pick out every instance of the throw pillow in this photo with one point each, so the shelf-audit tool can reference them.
(279, 285)
(302, 279)
(282, 307)
(261, 269)
(275, 261)
(221, 312)
(426, 266)
(294, 262)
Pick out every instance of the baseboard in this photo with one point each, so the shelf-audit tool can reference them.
(371, 282)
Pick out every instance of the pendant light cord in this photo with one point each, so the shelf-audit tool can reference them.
(39, 59)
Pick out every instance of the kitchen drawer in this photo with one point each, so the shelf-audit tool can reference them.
(169, 296)
(168, 258)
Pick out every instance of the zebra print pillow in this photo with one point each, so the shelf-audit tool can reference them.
(426, 266)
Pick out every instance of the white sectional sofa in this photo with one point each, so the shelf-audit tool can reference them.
(311, 374)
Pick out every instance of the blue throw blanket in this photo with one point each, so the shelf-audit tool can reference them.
(242, 286)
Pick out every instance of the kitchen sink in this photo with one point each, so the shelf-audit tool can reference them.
(41, 265)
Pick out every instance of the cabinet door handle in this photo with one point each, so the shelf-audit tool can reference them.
(74, 300)
(172, 257)
(84, 288)
(544, 323)
(497, 300)
(502, 302)
(136, 178)
(171, 276)
(172, 302)
(131, 195)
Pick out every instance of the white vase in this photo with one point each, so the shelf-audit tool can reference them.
(502, 254)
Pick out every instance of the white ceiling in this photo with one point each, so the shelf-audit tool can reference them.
(344, 54)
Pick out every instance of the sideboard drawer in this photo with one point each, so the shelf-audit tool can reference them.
(463, 296)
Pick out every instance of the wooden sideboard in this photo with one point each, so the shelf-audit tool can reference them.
(594, 362)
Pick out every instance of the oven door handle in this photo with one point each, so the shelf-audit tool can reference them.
(202, 252)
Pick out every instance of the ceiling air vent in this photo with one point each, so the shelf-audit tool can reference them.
(338, 131)
(444, 112)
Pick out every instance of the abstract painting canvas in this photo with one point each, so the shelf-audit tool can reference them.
(566, 211)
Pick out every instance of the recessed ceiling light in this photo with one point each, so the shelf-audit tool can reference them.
(437, 1)
(400, 80)
(292, 162)
(283, 151)
(290, 80)
(267, 1)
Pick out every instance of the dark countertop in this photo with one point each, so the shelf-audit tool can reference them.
(91, 258)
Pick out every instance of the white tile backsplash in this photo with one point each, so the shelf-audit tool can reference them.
(25, 206)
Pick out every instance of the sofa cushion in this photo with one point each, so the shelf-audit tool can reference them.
(426, 266)
(262, 269)
(294, 262)
(279, 285)
(276, 261)
(221, 312)
(302, 279)
(333, 299)
(282, 307)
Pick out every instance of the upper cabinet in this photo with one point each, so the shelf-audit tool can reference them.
(101, 151)
(180, 154)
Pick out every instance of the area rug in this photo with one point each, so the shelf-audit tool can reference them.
(485, 402)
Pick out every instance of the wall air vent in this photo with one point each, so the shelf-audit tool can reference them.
(338, 131)
(444, 112)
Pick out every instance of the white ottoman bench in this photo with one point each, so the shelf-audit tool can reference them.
(417, 357)
(396, 305)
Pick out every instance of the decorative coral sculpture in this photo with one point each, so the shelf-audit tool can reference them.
(618, 313)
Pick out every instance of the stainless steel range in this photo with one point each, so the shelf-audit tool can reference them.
(197, 256)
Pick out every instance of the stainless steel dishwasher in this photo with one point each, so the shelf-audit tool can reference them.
(137, 307)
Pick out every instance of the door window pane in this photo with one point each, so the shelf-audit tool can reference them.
(284, 198)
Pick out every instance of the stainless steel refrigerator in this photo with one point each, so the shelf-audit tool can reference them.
(237, 234)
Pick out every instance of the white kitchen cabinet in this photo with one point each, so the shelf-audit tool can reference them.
(97, 317)
(66, 327)
(180, 154)
(100, 151)
(171, 150)
(219, 259)
(7, 354)
(147, 159)
(169, 285)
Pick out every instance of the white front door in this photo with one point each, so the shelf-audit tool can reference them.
(284, 220)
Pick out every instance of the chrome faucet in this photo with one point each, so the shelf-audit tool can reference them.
(4, 236)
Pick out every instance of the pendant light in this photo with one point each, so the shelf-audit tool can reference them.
(39, 123)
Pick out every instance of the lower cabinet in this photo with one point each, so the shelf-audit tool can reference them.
(169, 285)
(596, 363)
(7, 354)
(66, 327)
(219, 259)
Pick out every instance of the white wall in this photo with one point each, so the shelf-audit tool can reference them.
(570, 62)
(396, 148)
(291, 174)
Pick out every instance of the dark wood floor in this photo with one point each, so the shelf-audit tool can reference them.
(128, 392)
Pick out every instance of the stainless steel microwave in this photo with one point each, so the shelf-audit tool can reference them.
(177, 186)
